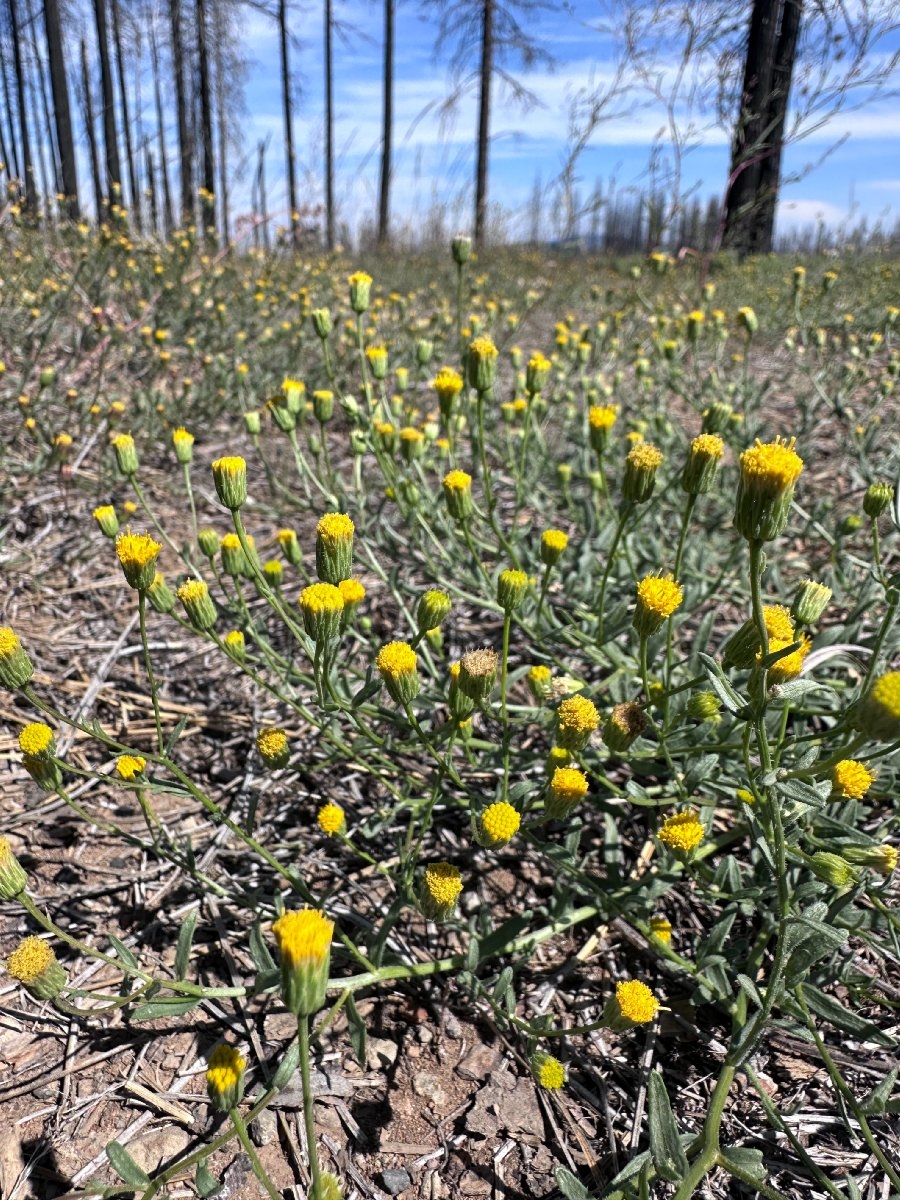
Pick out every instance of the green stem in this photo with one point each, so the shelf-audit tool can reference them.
(624, 514)
(154, 695)
(309, 1116)
(250, 1150)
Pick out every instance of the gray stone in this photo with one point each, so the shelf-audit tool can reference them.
(395, 1181)
(381, 1053)
(429, 1087)
(478, 1063)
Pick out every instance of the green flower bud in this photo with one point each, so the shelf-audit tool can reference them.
(230, 478)
(323, 406)
(432, 610)
(322, 608)
(810, 602)
(877, 499)
(832, 869)
(126, 454)
(13, 880)
(208, 541)
(512, 587)
(481, 364)
(334, 548)
(160, 595)
(322, 322)
(198, 604)
(252, 422)
(639, 479)
(461, 248)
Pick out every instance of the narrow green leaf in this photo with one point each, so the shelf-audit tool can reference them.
(122, 952)
(163, 1008)
(878, 1099)
(287, 1068)
(185, 941)
(358, 1031)
(665, 1146)
(746, 1161)
(175, 735)
(836, 1014)
(204, 1180)
(570, 1185)
(125, 1166)
(259, 951)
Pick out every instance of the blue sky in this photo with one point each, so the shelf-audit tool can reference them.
(434, 155)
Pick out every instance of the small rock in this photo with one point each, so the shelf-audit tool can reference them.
(425, 1035)
(158, 1148)
(452, 1027)
(429, 1087)
(478, 1063)
(471, 1184)
(395, 1182)
(381, 1053)
(265, 1128)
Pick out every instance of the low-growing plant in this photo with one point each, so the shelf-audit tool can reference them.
(579, 606)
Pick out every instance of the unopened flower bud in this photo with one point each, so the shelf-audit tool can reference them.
(230, 478)
(877, 499)
(432, 609)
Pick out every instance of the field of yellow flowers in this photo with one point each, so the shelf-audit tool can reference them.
(450, 724)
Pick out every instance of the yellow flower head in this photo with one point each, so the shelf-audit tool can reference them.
(852, 779)
(553, 546)
(30, 960)
(878, 713)
(137, 554)
(791, 665)
(448, 384)
(396, 663)
(682, 832)
(457, 481)
(779, 625)
(602, 416)
(539, 680)
(568, 787)
(129, 766)
(304, 944)
(182, 441)
(765, 488)
(774, 465)
(457, 487)
(661, 929)
(441, 886)
(499, 823)
(657, 599)
(273, 747)
(548, 1071)
(636, 1002)
(303, 935)
(352, 592)
(224, 1077)
(36, 740)
(330, 818)
(359, 277)
(576, 718)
